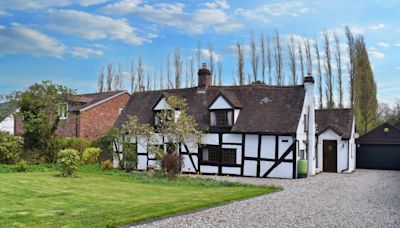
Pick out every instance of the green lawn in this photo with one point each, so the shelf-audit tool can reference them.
(100, 199)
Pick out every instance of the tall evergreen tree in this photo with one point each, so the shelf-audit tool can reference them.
(365, 101)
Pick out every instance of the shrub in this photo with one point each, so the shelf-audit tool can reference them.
(68, 161)
(10, 148)
(107, 165)
(22, 166)
(75, 143)
(90, 155)
(171, 164)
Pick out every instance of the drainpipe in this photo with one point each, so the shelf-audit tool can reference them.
(348, 157)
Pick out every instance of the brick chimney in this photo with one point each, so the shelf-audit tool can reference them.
(204, 77)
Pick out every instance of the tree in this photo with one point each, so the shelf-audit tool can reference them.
(309, 63)
(319, 75)
(109, 77)
(253, 57)
(133, 77)
(219, 73)
(178, 68)
(365, 101)
(330, 103)
(278, 64)
(191, 71)
(198, 54)
(338, 58)
(40, 107)
(169, 83)
(140, 74)
(240, 63)
(269, 61)
(178, 128)
(161, 79)
(300, 48)
(262, 51)
(211, 61)
(100, 81)
(118, 80)
(292, 60)
(351, 54)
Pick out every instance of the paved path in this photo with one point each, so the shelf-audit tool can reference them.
(365, 198)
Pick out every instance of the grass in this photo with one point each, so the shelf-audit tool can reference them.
(106, 198)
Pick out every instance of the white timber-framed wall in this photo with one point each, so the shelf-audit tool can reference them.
(8, 124)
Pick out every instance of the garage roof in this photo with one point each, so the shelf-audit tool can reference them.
(378, 135)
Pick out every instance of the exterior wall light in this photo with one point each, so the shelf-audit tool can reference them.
(386, 130)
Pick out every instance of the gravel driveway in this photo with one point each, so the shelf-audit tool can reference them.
(365, 198)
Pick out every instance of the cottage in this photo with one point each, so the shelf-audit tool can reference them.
(88, 116)
(251, 130)
(7, 122)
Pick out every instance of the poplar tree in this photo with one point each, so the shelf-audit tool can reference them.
(319, 75)
(365, 101)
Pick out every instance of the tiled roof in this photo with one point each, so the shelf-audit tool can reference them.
(339, 120)
(280, 114)
(86, 100)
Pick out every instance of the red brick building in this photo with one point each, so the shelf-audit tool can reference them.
(89, 116)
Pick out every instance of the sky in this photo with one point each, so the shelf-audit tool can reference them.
(67, 41)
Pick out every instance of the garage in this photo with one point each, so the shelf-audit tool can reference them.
(379, 148)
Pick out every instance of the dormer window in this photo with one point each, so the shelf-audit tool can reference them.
(63, 111)
(221, 118)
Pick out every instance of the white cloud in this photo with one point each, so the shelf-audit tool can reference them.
(397, 45)
(376, 27)
(251, 15)
(375, 53)
(293, 9)
(383, 44)
(212, 17)
(218, 3)
(40, 4)
(92, 27)
(206, 54)
(85, 53)
(21, 39)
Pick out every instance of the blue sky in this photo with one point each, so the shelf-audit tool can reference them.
(67, 41)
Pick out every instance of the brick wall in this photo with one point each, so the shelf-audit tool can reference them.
(68, 127)
(95, 122)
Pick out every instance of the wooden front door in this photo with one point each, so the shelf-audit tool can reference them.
(330, 156)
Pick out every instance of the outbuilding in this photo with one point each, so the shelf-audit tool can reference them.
(379, 148)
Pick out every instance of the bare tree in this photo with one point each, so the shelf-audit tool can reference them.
(309, 64)
(211, 61)
(269, 61)
(161, 79)
(301, 60)
(351, 54)
(118, 78)
(109, 77)
(187, 73)
(178, 68)
(319, 75)
(140, 74)
(191, 71)
(253, 56)
(262, 51)
(100, 81)
(169, 83)
(133, 77)
(278, 63)
(219, 73)
(198, 54)
(240, 64)
(328, 71)
(292, 60)
(148, 82)
(339, 69)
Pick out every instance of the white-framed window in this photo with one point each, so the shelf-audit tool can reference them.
(221, 118)
(63, 111)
